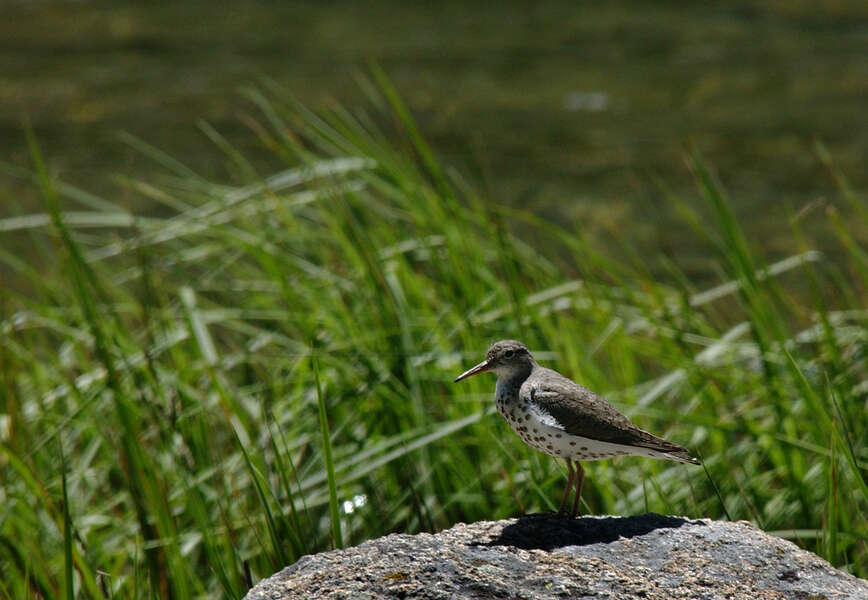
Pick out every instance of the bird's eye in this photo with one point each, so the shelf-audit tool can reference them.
(509, 353)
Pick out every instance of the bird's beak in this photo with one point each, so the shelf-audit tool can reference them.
(480, 368)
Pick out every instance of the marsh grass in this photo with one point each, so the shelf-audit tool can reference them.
(192, 401)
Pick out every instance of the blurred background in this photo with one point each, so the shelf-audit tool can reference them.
(568, 110)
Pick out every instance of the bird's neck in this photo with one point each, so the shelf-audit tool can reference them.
(506, 392)
(515, 376)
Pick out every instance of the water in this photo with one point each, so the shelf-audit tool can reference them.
(569, 111)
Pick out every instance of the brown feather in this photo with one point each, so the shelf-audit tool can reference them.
(581, 412)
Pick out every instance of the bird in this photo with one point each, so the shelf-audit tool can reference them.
(556, 415)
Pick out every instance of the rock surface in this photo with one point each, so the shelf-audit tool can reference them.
(544, 556)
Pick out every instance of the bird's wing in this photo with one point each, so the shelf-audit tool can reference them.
(581, 412)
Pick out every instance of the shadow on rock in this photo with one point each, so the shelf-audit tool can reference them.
(547, 531)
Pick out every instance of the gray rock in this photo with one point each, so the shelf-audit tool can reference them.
(544, 556)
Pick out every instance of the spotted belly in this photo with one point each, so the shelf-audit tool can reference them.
(553, 440)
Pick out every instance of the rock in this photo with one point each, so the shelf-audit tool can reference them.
(544, 556)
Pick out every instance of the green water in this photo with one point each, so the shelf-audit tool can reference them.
(570, 111)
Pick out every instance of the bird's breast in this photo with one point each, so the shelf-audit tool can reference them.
(517, 412)
(506, 397)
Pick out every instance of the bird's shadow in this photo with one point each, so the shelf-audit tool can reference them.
(547, 531)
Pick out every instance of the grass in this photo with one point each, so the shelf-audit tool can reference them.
(190, 401)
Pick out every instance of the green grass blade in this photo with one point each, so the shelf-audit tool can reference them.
(68, 566)
(334, 508)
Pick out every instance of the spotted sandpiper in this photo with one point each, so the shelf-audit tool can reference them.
(557, 416)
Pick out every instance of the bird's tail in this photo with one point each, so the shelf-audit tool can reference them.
(666, 449)
(680, 456)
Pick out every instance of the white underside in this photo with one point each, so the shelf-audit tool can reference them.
(571, 446)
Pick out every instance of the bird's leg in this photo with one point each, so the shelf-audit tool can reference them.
(580, 479)
(570, 478)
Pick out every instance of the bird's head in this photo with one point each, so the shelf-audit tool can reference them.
(505, 358)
